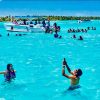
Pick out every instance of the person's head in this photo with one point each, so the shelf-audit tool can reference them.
(74, 36)
(81, 37)
(78, 72)
(9, 67)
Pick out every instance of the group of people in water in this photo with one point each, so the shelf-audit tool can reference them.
(80, 30)
(71, 30)
(51, 29)
(45, 23)
(10, 74)
(55, 29)
(74, 37)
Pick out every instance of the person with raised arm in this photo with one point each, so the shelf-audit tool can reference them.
(74, 77)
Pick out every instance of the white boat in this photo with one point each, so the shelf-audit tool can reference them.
(80, 21)
(85, 20)
(12, 27)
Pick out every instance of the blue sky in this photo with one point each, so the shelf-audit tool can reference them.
(50, 7)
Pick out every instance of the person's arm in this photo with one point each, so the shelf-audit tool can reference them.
(65, 64)
(2, 72)
(67, 76)
(69, 70)
(63, 73)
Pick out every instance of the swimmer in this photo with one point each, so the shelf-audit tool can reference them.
(56, 35)
(74, 36)
(20, 34)
(9, 74)
(0, 35)
(8, 34)
(16, 34)
(80, 38)
(75, 77)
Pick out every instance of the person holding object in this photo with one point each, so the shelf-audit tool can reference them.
(74, 77)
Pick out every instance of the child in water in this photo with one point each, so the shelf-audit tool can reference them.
(9, 74)
(75, 77)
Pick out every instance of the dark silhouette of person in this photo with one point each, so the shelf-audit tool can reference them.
(80, 38)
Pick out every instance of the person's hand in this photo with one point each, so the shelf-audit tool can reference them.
(64, 67)
(64, 62)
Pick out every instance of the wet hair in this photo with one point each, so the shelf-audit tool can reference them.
(9, 71)
(8, 66)
(79, 73)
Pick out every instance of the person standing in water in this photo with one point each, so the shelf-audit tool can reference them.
(9, 74)
(75, 77)
(80, 38)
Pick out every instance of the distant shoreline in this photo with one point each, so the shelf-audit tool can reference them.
(52, 18)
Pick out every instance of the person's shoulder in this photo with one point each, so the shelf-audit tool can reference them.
(5, 71)
(73, 77)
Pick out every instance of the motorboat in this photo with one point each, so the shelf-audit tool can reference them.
(15, 27)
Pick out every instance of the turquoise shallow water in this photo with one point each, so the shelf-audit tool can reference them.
(37, 57)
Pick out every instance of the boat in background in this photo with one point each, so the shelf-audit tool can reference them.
(30, 26)
(79, 21)
(84, 20)
(15, 27)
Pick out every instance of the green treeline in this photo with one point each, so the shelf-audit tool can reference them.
(8, 18)
(72, 18)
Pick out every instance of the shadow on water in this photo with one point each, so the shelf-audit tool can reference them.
(77, 94)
